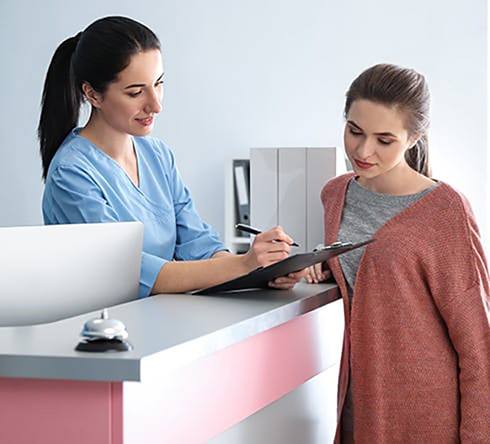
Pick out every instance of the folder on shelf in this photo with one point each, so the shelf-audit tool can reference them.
(260, 277)
(241, 176)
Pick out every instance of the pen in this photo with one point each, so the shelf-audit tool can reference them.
(252, 230)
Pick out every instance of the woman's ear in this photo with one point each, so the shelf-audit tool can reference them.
(92, 96)
(413, 140)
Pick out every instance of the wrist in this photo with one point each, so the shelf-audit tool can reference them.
(247, 262)
(221, 253)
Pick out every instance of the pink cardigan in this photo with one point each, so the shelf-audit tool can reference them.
(418, 334)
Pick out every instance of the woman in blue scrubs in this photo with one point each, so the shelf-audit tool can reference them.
(111, 170)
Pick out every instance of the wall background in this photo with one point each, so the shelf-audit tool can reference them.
(257, 73)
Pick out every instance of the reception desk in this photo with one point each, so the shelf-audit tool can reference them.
(200, 365)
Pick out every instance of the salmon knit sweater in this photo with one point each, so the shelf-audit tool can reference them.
(418, 333)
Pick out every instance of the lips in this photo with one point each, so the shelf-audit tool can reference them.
(147, 121)
(364, 165)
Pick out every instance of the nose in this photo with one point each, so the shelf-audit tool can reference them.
(154, 104)
(365, 149)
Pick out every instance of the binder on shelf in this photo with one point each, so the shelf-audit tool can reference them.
(241, 178)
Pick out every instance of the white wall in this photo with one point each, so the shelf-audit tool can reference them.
(257, 73)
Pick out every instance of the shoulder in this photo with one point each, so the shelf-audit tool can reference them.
(456, 198)
(450, 200)
(73, 159)
(73, 151)
(445, 220)
(443, 214)
(336, 187)
(65, 178)
(457, 209)
(76, 161)
(449, 236)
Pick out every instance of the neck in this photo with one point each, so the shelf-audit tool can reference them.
(114, 143)
(400, 180)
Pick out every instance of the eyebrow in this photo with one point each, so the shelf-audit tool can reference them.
(386, 133)
(142, 85)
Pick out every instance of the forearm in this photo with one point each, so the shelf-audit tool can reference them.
(182, 276)
(267, 248)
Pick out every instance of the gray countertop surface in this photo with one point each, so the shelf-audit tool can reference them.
(177, 327)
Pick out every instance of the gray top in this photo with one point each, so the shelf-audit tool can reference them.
(178, 328)
(364, 213)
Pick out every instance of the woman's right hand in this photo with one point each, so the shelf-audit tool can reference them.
(318, 273)
(268, 247)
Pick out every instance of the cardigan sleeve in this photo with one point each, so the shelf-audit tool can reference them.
(466, 313)
(467, 320)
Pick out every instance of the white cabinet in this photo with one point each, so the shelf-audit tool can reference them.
(285, 186)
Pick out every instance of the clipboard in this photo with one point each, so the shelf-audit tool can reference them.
(260, 277)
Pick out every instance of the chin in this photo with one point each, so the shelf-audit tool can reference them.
(367, 174)
(141, 130)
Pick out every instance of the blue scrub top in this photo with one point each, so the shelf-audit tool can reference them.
(85, 185)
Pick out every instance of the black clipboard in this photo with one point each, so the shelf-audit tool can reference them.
(260, 277)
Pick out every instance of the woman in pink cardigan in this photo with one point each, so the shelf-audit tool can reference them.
(416, 357)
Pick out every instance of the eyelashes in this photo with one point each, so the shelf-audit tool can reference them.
(137, 93)
(355, 132)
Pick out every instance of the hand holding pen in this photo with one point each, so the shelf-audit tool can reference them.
(252, 230)
(269, 247)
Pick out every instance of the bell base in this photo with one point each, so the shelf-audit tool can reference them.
(103, 345)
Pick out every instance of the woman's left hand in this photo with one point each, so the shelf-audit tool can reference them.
(289, 281)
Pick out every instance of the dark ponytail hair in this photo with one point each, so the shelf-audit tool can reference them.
(95, 56)
(406, 89)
